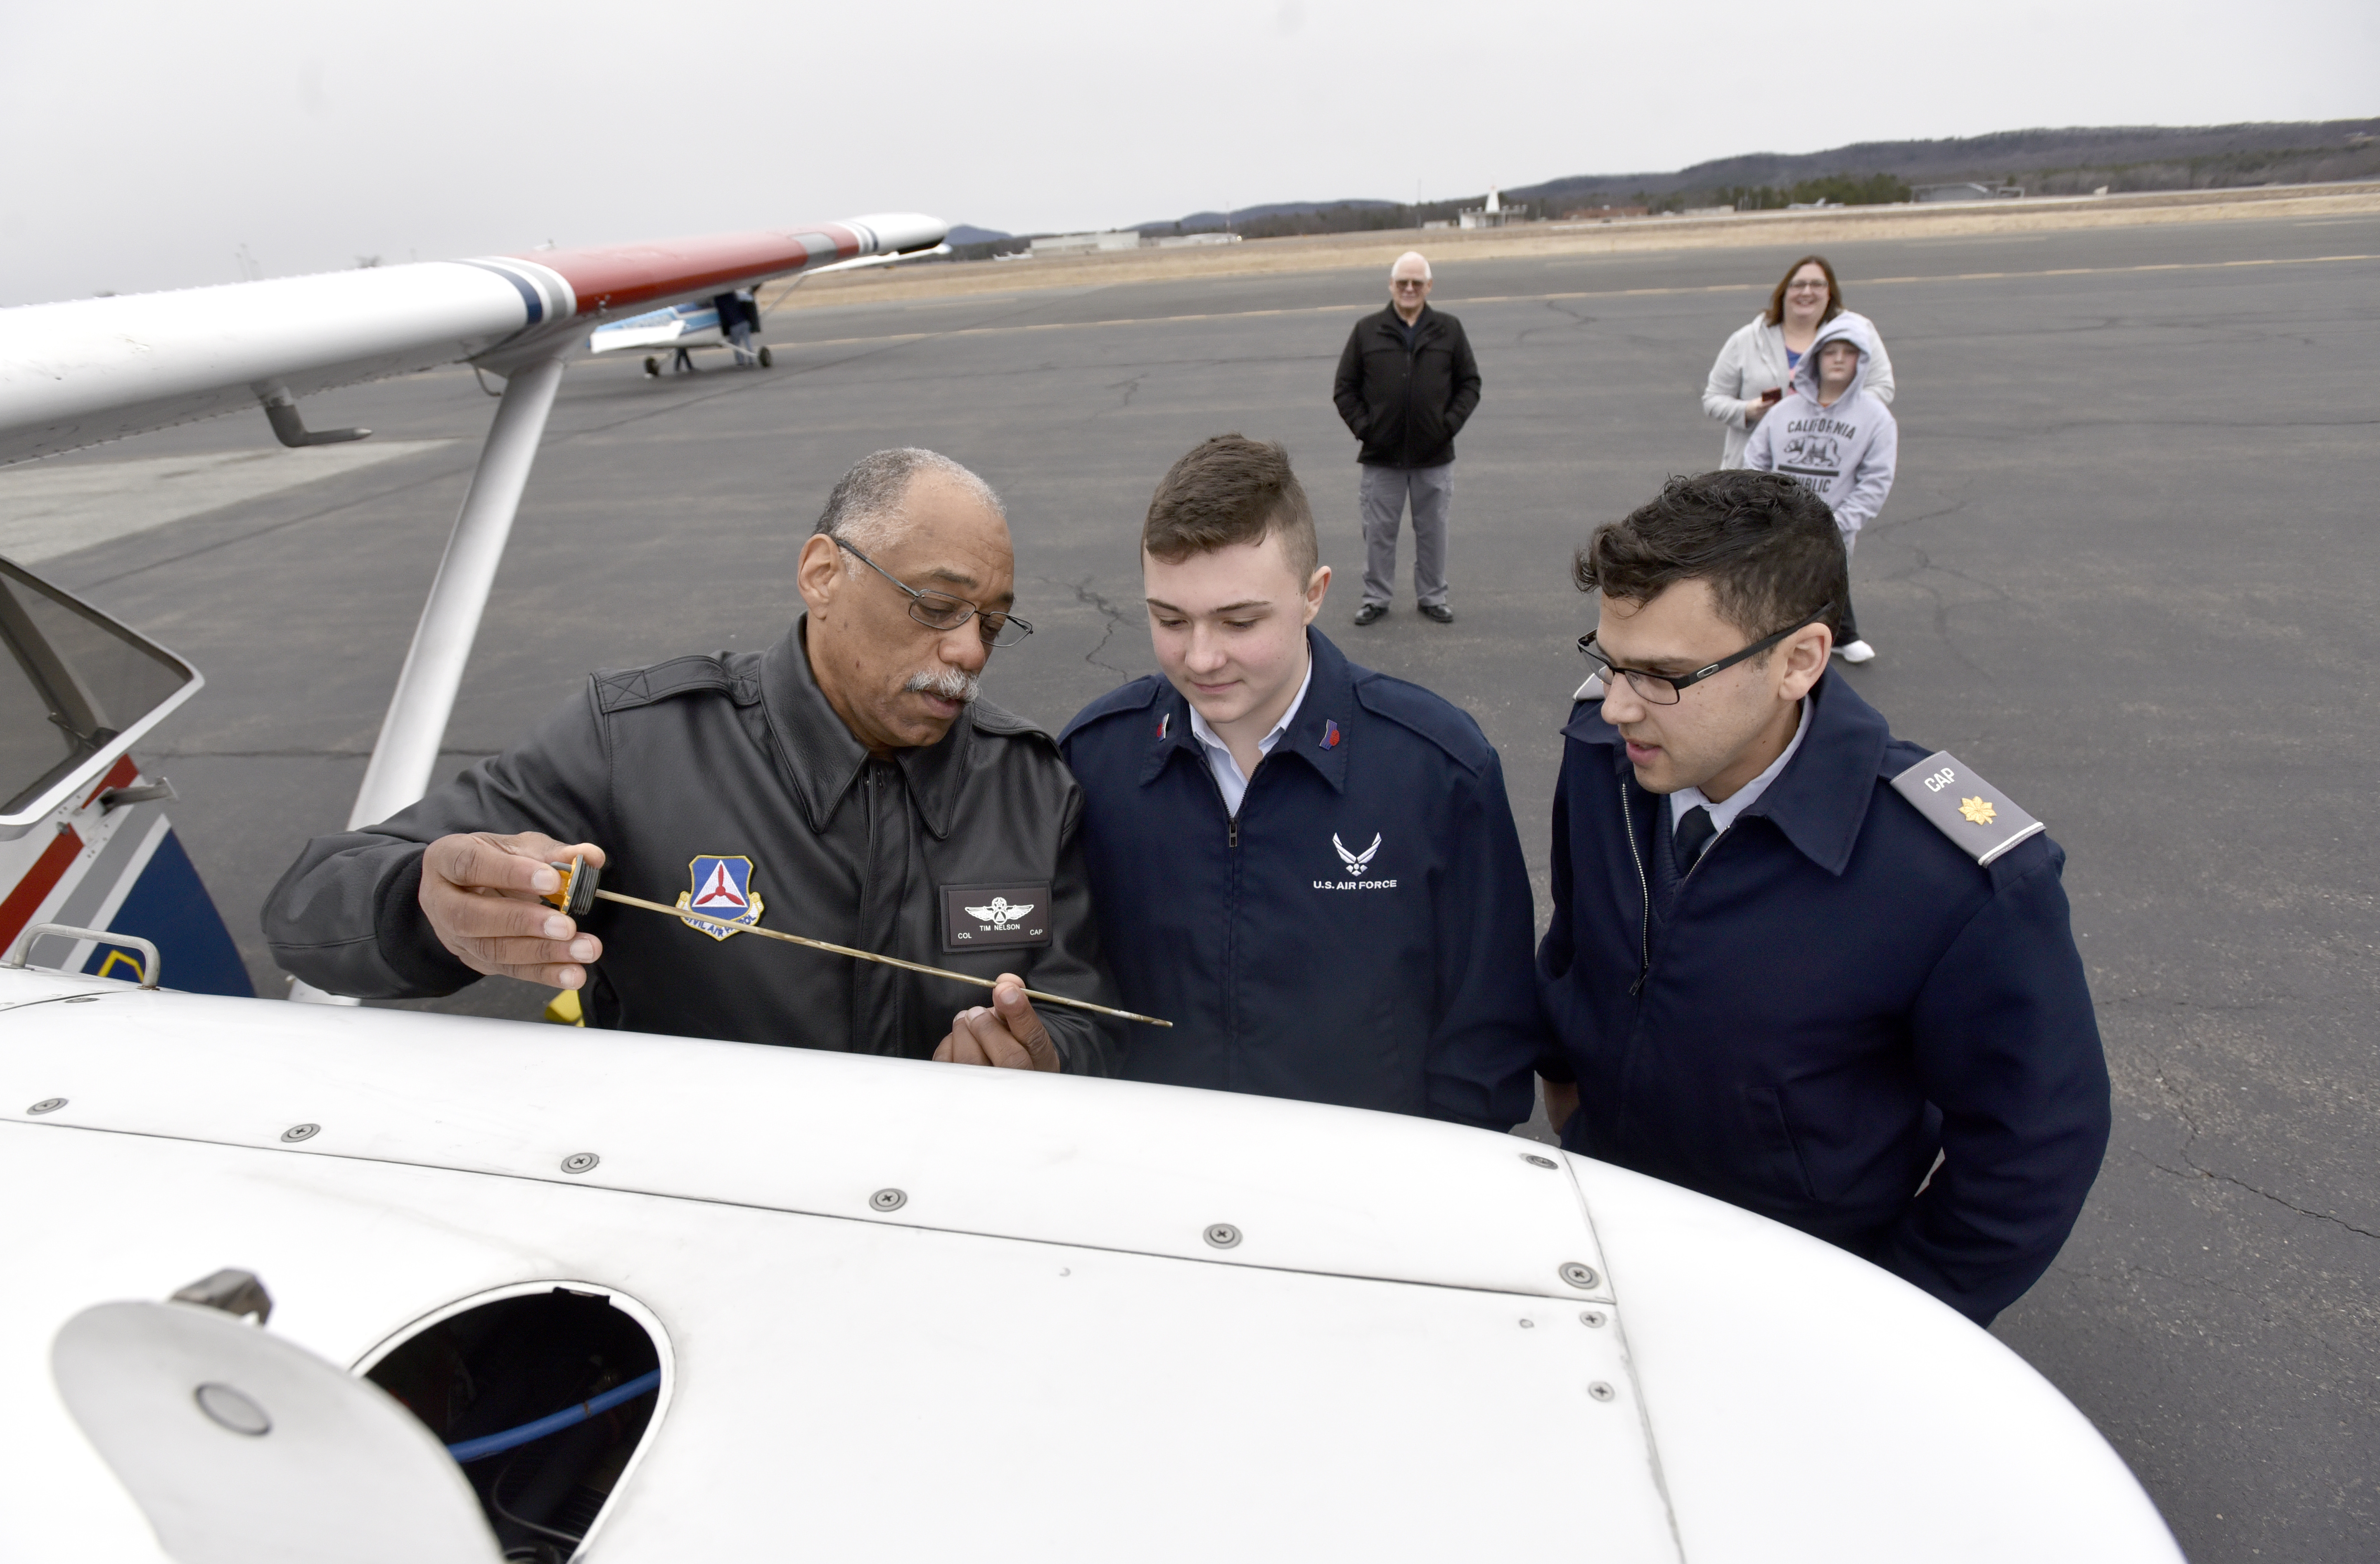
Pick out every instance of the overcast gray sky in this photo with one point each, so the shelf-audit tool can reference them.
(148, 141)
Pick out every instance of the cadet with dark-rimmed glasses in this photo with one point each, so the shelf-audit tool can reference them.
(846, 784)
(1794, 959)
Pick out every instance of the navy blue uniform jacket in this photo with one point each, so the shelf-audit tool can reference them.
(1401, 981)
(1834, 993)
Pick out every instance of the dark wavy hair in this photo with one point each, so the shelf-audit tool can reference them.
(1834, 290)
(1766, 542)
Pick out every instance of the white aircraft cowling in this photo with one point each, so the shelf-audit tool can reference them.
(1040, 1351)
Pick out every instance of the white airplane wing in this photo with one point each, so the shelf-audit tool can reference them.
(92, 369)
(76, 373)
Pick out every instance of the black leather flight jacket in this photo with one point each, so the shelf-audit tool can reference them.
(1406, 400)
(729, 778)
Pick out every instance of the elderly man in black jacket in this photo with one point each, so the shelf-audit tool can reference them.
(1407, 384)
(846, 784)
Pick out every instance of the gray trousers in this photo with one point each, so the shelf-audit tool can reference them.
(1385, 491)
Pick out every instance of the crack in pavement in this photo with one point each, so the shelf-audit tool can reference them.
(2181, 1106)
(1115, 617)
(1879, 527)
(2125, 1269)
(1942, 604)
(1127, 386)
(1925, 565)
(2286, 1204)
(1558, 307)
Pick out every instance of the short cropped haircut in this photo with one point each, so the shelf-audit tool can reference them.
(866, 508)
(1776, 316)
(1232, 490)
(1765, 541)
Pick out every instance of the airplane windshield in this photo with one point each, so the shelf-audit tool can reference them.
(71, 682)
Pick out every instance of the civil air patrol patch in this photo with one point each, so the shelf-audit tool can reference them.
(977, 916)
(1965, 807)
(722, 889)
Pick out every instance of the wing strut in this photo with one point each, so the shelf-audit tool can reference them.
(410, 736)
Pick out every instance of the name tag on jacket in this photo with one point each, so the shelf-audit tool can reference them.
(976, 915)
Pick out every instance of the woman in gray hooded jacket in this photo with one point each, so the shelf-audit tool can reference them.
(1759, 360)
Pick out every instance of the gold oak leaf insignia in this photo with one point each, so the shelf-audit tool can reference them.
(1978, 810)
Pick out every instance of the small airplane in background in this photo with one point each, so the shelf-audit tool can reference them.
(715, 322)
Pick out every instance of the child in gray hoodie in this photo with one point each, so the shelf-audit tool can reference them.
(1836, 436)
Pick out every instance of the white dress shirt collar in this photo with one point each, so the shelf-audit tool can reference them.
(1219, 760)
(1723, 815)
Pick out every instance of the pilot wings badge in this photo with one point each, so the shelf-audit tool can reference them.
(1014, 912)
(1356, 862)
(1000, 914)
(722, 889)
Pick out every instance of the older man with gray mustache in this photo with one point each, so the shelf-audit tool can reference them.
(847, 784)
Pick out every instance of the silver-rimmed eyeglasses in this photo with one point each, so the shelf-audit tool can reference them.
(940, 610)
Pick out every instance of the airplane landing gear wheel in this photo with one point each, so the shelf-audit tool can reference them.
(766, 361)
(652, 369)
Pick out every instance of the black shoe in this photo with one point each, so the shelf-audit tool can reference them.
(1370, 614)
(1438, 612)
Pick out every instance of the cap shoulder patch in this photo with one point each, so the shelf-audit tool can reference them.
(1979, 819)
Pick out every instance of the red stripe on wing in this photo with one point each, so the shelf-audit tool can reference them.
(623, 276)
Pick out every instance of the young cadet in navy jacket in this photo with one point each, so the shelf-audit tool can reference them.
(1792, 957)
(1308, 868)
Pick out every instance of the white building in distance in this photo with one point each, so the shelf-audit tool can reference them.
(1495, 215)
(1086, 244)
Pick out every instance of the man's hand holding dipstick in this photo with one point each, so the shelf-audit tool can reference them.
(483, 895)
(1005, 1033)
(502, 910)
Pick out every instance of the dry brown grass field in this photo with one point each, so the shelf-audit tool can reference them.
(1449, 247)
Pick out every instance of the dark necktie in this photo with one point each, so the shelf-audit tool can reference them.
(1692, 834)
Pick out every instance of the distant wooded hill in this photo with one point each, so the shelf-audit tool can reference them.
(2067, 161)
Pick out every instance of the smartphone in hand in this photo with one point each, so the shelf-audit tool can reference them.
(1774, 393)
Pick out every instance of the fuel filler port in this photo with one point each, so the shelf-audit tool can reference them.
(543, 1398)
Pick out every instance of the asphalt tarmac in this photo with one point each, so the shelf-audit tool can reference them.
(2126, 572)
